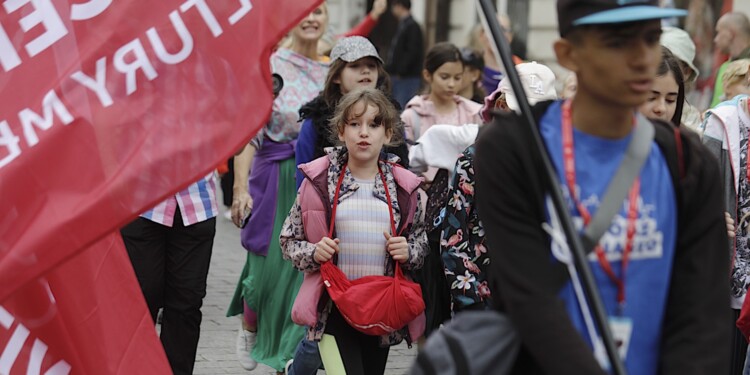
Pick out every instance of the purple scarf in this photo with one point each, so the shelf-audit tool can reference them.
(263, 185)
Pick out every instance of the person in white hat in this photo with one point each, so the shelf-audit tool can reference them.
(678, 42)
(537, 80)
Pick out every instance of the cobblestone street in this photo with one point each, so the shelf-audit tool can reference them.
(216, 347)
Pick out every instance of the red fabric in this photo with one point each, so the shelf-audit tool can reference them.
(115, 105)
(119, 156)
(63, 318)
(374, 305)
(222, 168)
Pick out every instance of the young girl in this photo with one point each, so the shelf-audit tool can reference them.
(365, 121)
(443, 71)
(355, 63)
(667, 93)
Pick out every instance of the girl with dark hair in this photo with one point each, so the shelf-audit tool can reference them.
(443, 72)
(668, 92)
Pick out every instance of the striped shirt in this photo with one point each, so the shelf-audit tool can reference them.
(197, 203)
(361, 220)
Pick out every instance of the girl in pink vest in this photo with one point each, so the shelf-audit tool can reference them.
(374, 195)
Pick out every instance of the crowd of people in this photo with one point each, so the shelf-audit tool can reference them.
(417, 163)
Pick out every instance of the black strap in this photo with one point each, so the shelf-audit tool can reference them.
(630, 167)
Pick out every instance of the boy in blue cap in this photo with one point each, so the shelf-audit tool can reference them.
(661, 268)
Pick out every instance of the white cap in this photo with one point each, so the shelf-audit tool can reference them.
(537, 80)
(678, 42)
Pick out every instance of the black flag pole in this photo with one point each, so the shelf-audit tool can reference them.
(501, 48)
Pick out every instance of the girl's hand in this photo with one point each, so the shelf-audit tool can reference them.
(397, 247)
(325, 249)
(730, 225)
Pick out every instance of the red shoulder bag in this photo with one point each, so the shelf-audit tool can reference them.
(374, 305)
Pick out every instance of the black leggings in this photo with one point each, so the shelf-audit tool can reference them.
(360, 353)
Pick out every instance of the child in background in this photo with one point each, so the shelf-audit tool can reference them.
(471, 87)
(667, 93)
(373, 192)
(443, 72)
(355, 63)
(463, 248)
(737, 78)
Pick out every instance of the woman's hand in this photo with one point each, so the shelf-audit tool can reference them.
(325, 249)
(397, 247)
(242, 205)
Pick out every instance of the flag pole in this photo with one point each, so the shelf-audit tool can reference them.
(501, 49)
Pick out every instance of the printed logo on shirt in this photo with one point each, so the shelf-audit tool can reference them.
(648, 242)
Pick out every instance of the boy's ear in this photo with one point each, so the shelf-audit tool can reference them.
(427, 76)
(566, 53)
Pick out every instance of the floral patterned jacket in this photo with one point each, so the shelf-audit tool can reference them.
(296, 248)
(462, 245)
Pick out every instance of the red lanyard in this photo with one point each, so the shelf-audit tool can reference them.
(570, 177)
(336, 200)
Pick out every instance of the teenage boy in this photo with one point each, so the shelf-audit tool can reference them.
(661, 269)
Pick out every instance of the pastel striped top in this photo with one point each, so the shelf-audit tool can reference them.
(361, 220)
(197, 203)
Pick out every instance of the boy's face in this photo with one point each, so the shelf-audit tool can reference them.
(615, 63)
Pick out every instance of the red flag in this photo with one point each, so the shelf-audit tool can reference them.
(87, 316)
(107, 108)
(110, 106)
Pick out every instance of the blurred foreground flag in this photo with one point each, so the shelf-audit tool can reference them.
(106, 108)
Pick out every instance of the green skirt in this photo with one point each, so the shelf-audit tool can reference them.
(269, 285)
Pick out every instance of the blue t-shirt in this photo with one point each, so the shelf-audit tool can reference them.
(650, 261)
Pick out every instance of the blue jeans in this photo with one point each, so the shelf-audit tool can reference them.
(405, 88)
(306, 359)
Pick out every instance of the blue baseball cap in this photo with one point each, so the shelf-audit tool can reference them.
(572, 13)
